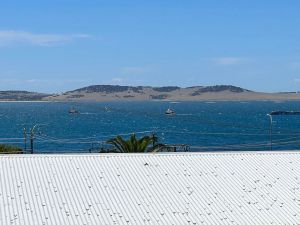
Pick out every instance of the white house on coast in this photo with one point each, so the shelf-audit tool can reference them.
(167, 188)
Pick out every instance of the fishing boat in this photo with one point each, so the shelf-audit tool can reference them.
(73, 111)
(170, 112)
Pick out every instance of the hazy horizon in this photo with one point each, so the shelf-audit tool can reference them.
(58, 46)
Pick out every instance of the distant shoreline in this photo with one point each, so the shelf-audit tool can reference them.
(116, 93)
(13, 101)
(170, 101)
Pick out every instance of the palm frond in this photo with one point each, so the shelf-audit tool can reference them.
(133, 144)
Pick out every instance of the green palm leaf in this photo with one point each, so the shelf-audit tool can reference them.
(133, 144)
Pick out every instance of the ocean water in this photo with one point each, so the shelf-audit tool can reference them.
(204, 126)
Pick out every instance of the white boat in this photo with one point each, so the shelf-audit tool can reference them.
(170, 111)
(73, 111)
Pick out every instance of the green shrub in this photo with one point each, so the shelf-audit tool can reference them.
(133, 144)
(10, 149)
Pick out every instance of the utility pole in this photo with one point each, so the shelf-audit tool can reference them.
(25, 139)
(271, 131)
(32, 132)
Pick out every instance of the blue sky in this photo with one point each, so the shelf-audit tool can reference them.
(53, 46)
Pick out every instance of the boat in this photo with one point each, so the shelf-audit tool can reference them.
(170, 112)
(276, 113)
(73, 111)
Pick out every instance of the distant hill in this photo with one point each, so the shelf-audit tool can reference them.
(147, 93)
(167, 93)
(21, 96)
(116, 92)
(116, 88)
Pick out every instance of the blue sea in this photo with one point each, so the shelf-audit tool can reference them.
(204, 126)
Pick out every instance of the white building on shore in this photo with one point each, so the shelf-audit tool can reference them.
(172, 188)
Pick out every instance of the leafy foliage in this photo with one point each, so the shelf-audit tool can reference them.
(133, 144)
(166, 89)
(10, 149)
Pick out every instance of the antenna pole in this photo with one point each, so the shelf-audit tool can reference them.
(271, 131)
(32, 130)
(25, 139)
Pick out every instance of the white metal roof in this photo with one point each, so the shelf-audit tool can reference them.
(184, 188)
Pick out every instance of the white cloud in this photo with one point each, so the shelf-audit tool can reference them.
(32, 81)
(54, 85)
(227, 61)
(117, 80)
(10, 37)
(133, 70)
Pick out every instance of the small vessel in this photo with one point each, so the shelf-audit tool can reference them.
(170, 111)
(73, 111)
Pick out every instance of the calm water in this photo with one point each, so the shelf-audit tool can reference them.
(203, 125)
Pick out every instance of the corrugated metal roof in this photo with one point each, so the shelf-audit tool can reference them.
(186, 188)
